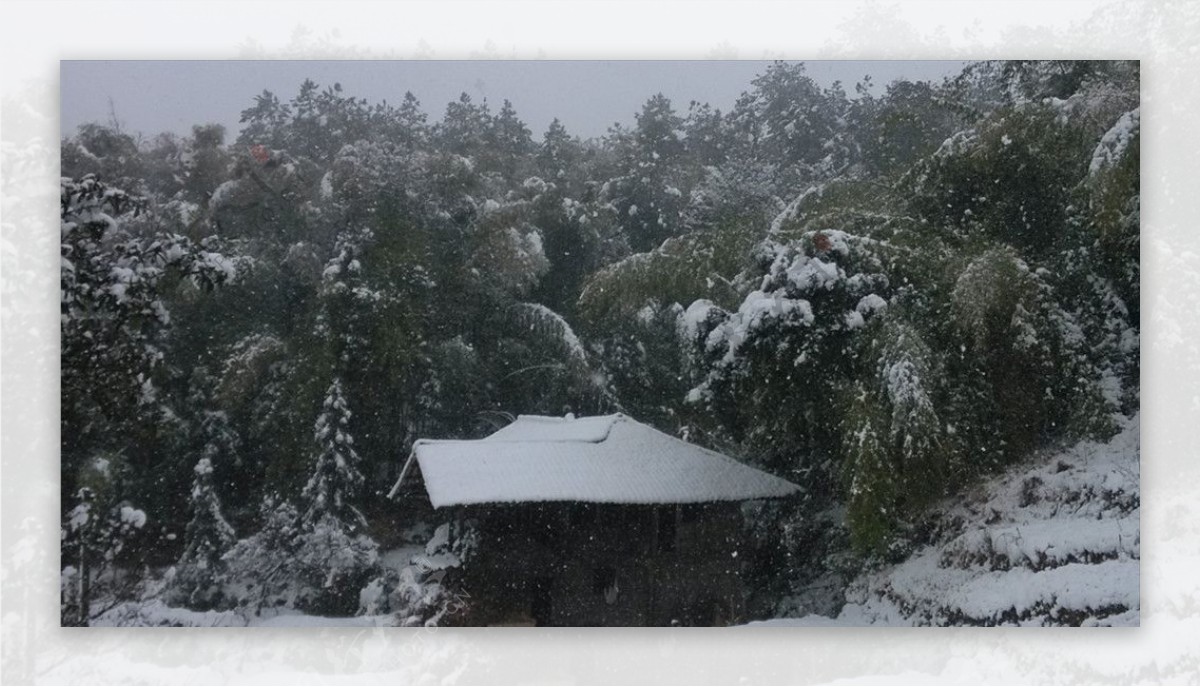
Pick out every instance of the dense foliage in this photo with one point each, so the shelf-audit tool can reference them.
(879, 297)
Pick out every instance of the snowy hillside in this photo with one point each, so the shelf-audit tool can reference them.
(1053, 542)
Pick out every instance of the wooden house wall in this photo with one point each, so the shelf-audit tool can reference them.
(554, 564)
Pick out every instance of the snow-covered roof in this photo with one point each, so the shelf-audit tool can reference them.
(603, 459)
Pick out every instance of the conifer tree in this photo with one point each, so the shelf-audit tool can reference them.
(648, 196)
(336, 480)
(412, 120)
(208, 534)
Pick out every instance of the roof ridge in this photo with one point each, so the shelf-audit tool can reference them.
(561, 418)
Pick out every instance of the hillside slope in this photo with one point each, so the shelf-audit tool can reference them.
(1054, 541)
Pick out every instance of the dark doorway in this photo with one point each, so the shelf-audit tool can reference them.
(667, 528)
(540, 600)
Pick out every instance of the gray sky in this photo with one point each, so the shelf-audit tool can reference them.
(588, 96)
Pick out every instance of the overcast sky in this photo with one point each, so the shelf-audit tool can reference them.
(588, 96)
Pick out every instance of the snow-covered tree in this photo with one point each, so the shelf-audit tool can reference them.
(412, 124)
(426, 593)
(559, 155)
(95, 533)
(873, 489)
(510, 146)
(349, 304)
(787, 119)
(199, 573)
(117, 274)
(649, 195)
(336, 483)
(464, 127)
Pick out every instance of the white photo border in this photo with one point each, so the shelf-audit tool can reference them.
(37, 35)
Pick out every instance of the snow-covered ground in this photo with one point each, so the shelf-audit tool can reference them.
(152, 612)
(157, 614)
(1055, 541)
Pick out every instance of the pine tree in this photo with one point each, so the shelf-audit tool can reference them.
(648, 196)
(510, 145)
(559, 154)
(336, 480)
(412, 121)
(348, 304)
(209, 535)
(200, 572)
(464, 128)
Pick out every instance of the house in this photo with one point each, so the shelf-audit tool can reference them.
(592, 521)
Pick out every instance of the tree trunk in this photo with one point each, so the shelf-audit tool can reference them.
(85, 587)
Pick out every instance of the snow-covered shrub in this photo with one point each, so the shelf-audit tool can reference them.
(414, 595)
(259, 566)
(424, 592)
(312, 567)
(330, 565)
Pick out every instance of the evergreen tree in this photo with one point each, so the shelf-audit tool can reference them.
(336, 482)
(200, 573)
(787, 119)
(209, 535)
(559, 155)
(464, 128)
(412, 123)
(348, 304)
(510, 146)
(649, 196)
(117, 273)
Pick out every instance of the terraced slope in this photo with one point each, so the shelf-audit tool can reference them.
(1053, 542)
